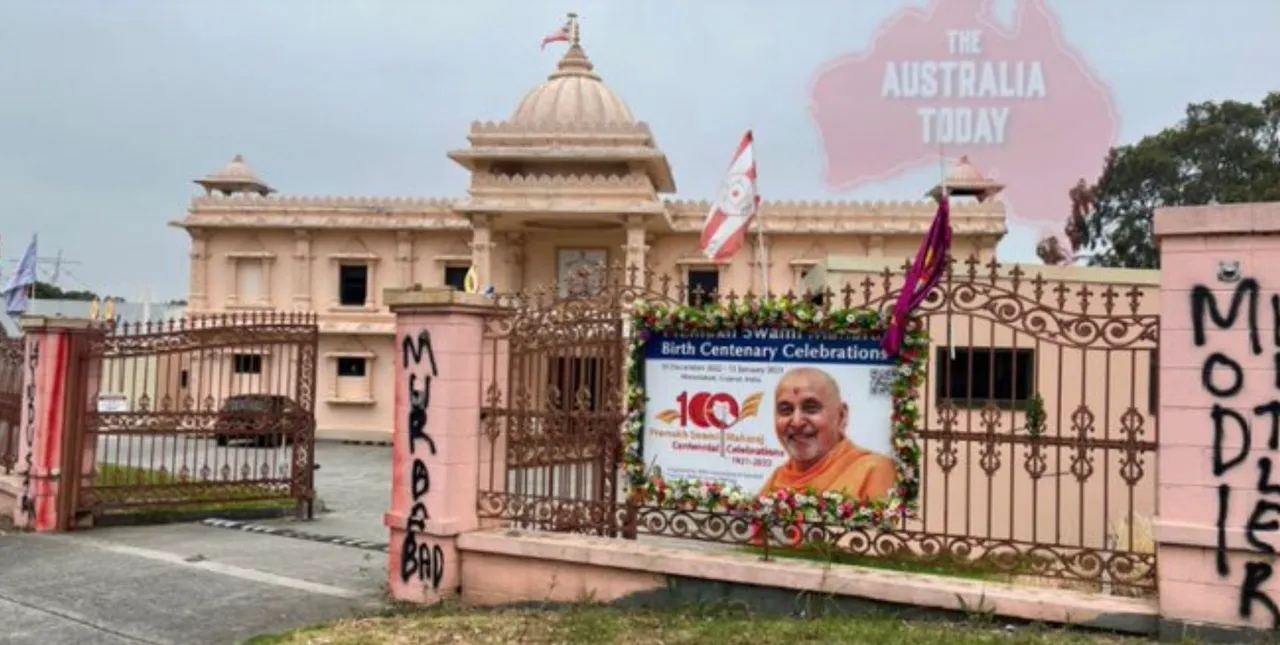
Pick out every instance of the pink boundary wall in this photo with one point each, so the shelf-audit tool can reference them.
(436, 447)
(54, 398)
(1218, 502)
(439, 548)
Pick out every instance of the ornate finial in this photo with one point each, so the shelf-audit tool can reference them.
(574, 35)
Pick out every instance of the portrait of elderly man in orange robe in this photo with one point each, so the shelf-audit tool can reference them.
(811, 419)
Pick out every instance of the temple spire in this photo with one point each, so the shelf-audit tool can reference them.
(575, 34)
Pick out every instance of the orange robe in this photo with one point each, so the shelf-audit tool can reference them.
(845, 469)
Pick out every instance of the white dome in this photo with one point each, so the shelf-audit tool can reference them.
(573, 94)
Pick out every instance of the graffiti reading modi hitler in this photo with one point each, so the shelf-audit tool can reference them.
(422, 561)
(1233, 417)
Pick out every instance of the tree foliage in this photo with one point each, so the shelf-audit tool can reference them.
(46, 291)
(1220, 153)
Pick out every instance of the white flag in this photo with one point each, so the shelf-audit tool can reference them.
(731, 213)
(15, 293)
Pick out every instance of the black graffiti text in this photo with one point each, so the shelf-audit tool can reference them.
(420, 560)
(1223, 377)
(27, 504)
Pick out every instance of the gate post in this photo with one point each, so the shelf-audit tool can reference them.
(1218, 490)
(56, 378)
(436, 446)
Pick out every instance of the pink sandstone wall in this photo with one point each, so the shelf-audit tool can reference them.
(53, 388)
(436, 456)
(300, 269)
(308, 282)
(1219, 499)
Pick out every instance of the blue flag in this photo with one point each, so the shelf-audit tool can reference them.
(15, 293)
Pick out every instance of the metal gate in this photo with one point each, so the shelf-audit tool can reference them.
(557, 411)
(207, 413)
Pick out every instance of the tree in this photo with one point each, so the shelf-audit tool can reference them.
(1220, 153)
(46, 291)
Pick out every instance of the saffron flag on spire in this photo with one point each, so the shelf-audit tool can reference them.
(735, 206)
(923, 275)
(560, 35)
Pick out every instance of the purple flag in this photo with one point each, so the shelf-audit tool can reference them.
(925, 273)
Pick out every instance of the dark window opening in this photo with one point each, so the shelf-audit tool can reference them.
(981, 375)
(246, 363)
(353, 285)
(456, 277)
(352, 366)
(704, 287)
(184, 379)
(576, 383)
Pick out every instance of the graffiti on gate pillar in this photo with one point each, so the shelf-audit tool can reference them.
(27, 503)
(1223, 377)
(419, 559)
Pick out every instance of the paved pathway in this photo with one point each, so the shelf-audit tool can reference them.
(354, 483)
(177, 584)
(198, 584)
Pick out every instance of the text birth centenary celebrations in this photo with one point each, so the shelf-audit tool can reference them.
(718, 403)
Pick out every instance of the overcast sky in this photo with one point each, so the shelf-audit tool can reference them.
(110, 109)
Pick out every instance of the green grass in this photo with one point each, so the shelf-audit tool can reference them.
(585, 625)
(210, 501)
(907, 564)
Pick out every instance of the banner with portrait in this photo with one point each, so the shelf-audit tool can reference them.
(737, 407)
(777, 409)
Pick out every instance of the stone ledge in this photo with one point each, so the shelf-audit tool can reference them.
(1197, 535)
(1218, 219)
(348, 435)
(950, 594)
(440, 298)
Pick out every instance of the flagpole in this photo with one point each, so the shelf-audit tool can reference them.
(942, 170)
(764, 256)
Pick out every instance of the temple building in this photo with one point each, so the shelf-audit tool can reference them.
(570, 182)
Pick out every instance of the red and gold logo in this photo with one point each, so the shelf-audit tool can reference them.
(711, 411)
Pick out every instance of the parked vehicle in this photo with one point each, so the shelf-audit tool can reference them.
(265, 419)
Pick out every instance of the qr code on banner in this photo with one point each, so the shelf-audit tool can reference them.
(882, 381)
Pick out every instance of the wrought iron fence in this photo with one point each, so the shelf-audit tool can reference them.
(204, 413)
(1038, 427)
(11, 362)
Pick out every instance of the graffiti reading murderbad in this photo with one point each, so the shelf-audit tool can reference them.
(1223, 377)
(424, 561)
(27, 504)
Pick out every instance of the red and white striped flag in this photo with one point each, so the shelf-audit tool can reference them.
(560, 35)
(735, 206)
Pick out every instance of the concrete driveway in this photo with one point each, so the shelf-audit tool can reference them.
(354, 484)
(182, 584)
(212, 583)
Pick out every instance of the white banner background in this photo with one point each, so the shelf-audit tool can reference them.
(693, 390)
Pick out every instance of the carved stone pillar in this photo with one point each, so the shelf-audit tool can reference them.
(516, 245)
(302, 270)
(635, 250)
(404, 258)
(482, 249)
(198, 298)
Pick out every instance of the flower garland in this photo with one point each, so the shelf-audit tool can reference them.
(783, 507)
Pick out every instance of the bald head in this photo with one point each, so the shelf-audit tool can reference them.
(809, 375)
(809, 415)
